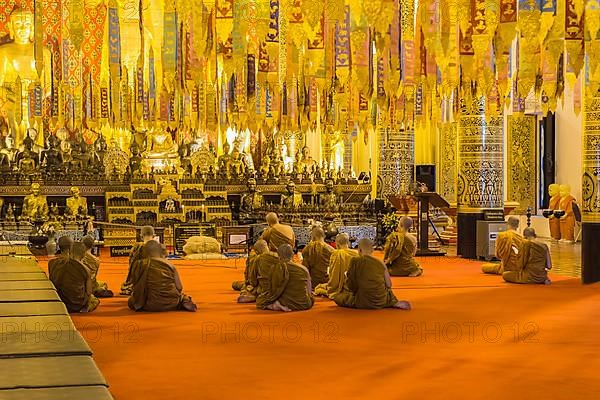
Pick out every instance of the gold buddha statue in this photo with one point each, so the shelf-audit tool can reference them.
(291, 199)
(329, 200)
(35, 206)
(251, 201)
(307, 162)
(76, 205)
(236, 165)
(223, 160)
(17, 62)
(161, 151)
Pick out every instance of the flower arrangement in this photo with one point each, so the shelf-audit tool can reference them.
(391, 221)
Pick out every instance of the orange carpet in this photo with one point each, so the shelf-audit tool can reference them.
(469, 336)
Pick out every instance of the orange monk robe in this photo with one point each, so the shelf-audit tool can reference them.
(271, 278)
(240, 285)
(367, 285)
(508, 246)
(338, 265)
(315, 257)
(567, 222)
(156, 286)
(134, 256)
(399, 255)
(534, 262)
(73, 284)
(297, 295)
(279, 234)
(92, 263)
(552, 221)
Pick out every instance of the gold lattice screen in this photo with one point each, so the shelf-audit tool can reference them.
(521, 161)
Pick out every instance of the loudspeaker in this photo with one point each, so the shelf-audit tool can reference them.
(426, 174)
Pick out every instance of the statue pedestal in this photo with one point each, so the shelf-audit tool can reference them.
(160, 164)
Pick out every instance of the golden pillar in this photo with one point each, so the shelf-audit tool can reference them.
(591, 189)
(396, 161)
(480, 170)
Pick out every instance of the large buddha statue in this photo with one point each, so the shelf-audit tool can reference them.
(307, 162)
(76, 205)
(161, 151)
(18, 64)
(35, 206)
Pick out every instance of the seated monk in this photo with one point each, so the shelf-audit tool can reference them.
(368, 283)
(64, 253)
(277, 234)
(147, 234)
(338, 265)
(72, 279)
(248, 287)
(156, 283)
(100, 289)
(508, 246)
(315, 257)
(271, 278)
(534, 261)
(400, 249)
(297, 295)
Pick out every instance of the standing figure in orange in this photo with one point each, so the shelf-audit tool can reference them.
(554, 192)
(567, 222)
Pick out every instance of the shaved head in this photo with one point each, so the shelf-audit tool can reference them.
(147, 232)
(261, 246)
(272, 219)
(153, 249)
(406, 223)
(365, 247)
(78, 251)
(285, 252)
(88, 242)
(529, 233)
(65, 243)
(317, 234)
(342, 240)
(513, 222)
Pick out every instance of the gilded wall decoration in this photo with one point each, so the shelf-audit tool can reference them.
(480, 158)
(396, 161)
(448, 161)
(521, 161)
(591, 160)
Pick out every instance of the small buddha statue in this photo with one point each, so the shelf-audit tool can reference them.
(100, 147)
(185, 153)
(307, 160)
(135, 162)
(5, 160)
(224, 159)
(237, 167)
(276, 164)
(329, 199)
(7, 147)
(10, 214)
(27, 160)
(317, 175)
(53, 214)
(251, 201)
(298, 166)
(265, 168)
(35, 206)
(52, 158)
(76, 205)
(292, 198)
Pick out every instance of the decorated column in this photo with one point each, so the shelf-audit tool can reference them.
(480, 170)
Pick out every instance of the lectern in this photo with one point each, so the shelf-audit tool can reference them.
(426, 199)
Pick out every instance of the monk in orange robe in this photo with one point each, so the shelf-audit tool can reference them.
(554, 192)
(249, 286)
(277, 234)
(400, 249)
(93, 265)
(338, 266)
(315, 257)
(147, 234)
(534, 261)
(297, 295)
(508, 246)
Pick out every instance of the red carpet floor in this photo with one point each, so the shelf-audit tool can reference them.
(469, 336)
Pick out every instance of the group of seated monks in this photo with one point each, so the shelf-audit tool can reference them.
(74, 273)
(352, 279)
(152, 283)
(523, 259)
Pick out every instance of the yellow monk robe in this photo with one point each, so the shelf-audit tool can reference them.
(271, 278)
(135, 255)
(338, 265)
(399, 254)
(315, 257)
(554, 222)
(73, 284)
(508, 246)
(279, 234)
(92, 263)
(240, 285)
(156, 287)
(297, 295)
(567, 222)
(366, 285)
(534, 258)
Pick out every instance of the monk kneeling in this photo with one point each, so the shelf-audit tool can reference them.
(92, 263)
(156, 283)
(534, 261)
(338, 265)
(508, 246)
(71, 278)
(315, 257)
(297, 295)
(368, 283)
(400, 249)
(249, 286)
(147, 234)
(277, 234)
